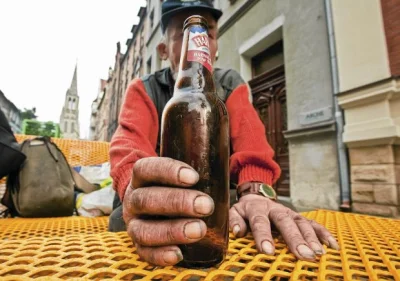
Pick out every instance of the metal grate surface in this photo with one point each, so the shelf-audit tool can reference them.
(82, 249)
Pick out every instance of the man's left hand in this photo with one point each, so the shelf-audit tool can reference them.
(303, 236)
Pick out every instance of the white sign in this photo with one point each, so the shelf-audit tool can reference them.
(315, 116)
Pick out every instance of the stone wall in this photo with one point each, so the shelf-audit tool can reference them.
(375, 176)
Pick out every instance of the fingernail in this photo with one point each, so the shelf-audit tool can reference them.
(325, 242)
(316, 248)
(203, 205)
(193, 230)
(333, 243)
(305, 252)
(180, 256)
(188, 176)
(236, 229)
(172, 257)
(267, 248)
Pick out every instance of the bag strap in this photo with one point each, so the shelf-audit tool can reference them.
(80, 183)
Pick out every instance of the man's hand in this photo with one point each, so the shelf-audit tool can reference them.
(153, 192)
(302, 236)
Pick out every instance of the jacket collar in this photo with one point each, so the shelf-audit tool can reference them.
(164, 77)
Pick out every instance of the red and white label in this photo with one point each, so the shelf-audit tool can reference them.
(199, 49)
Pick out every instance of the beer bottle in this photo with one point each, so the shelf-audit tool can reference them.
(195, 130)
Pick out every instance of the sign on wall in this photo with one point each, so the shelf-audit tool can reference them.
(316, 116)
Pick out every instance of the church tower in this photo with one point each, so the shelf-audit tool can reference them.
(69, 119)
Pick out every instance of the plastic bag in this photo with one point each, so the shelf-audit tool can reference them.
(97, 203)
(94, 174)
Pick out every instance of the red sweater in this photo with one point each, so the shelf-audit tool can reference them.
(136, 138)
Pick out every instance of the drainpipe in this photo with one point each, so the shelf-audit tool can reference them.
(341, 148)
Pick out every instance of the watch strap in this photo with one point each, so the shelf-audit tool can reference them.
(256, 188)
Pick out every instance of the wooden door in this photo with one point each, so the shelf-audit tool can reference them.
(269, 99)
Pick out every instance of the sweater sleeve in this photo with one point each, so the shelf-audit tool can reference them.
(135, 137)
(252, 158)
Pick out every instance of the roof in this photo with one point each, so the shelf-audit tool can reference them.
(10, 102)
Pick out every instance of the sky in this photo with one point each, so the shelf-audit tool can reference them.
(42, 40)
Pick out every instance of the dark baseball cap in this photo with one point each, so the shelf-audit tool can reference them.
(172, 7)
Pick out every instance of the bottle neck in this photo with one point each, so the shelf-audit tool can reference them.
(195, 67)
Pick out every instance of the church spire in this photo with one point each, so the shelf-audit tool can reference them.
(69, 119)
(73, 89)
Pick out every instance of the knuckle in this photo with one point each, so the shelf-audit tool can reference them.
(153, 257)
(133, 229)
(178, 200)
(308, 235)
(138, 201)
(140, 233)
(281, 217)
(259, 222)
(137, 168)
(170, 236)
(299, 219)
(295, 237)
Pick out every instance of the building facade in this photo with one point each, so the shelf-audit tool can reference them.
(127, 66)
(324, 79)
(281, 49)
(12, 113)
(100, 112)
(69, 119)
(367, 45)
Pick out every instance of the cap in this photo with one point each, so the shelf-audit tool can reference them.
(172, 7)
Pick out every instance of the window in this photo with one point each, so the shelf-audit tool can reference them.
(152, 19)
(142, 38)
(72, 127)
(268, 59)
(148, 65)
(65, 127)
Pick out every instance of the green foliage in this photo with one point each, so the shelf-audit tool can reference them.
(36, 128)
(49, 129)
(33, 128)
(29, 113)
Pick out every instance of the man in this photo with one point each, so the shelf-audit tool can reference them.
(136, 167)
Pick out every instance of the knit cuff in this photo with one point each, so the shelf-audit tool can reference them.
(255, 173)
(122, 181)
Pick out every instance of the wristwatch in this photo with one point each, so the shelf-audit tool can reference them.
(258, 188)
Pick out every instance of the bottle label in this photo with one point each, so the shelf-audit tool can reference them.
(199, 48)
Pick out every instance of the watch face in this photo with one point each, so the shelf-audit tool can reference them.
(267, 191)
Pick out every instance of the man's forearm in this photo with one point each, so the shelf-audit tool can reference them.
(136, 135)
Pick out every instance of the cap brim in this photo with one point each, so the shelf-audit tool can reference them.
(167, 16)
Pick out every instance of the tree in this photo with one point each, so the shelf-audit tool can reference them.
(49, 129)
(29, 113)
(33, 128)
(37, 128)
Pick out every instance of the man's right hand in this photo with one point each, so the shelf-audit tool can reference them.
(153, 191)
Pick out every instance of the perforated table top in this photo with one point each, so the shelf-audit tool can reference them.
(78, 248)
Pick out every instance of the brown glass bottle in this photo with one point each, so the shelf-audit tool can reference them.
(195, 130)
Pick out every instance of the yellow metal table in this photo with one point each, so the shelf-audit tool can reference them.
(80, 248)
